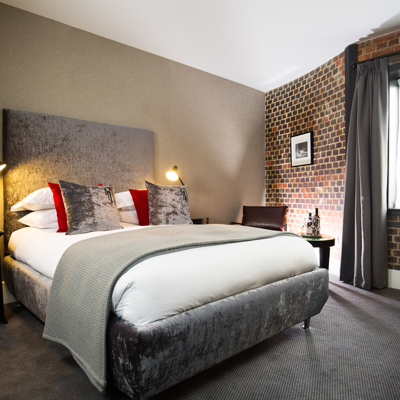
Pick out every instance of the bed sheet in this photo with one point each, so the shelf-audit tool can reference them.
(169, 284)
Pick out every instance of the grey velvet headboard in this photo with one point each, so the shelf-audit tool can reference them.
(40, 148)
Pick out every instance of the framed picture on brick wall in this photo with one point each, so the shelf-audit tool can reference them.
(302, 149)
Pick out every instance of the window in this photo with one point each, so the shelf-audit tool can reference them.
(394, 137)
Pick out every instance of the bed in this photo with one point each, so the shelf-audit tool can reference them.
(143, 359)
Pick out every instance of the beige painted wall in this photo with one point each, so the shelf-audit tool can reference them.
(212, 128)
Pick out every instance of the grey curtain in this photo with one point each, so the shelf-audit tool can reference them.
(364, 259)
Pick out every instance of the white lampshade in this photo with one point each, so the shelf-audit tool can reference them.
(172, 176)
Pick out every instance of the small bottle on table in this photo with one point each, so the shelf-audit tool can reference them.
(316, 221)
(310, 230)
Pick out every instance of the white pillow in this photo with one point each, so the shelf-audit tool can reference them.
(124, 199)
(40, 199)
(129, 216)
(44, 219)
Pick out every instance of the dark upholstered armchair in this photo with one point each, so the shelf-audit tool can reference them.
(265, 217)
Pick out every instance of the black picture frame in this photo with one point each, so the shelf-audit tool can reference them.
(301, 149)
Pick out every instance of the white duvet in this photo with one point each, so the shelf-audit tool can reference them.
(169, 284)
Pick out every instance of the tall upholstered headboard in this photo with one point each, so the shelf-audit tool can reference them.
(40, 148)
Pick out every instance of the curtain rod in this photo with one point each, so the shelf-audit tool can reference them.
(376, 58)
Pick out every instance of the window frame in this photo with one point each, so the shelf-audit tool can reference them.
(394, 76)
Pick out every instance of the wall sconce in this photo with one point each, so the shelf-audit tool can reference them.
(2, 165)
(173, 175)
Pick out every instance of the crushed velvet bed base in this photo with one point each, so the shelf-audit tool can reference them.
(145, 360)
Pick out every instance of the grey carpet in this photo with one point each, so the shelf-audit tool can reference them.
(351, 352)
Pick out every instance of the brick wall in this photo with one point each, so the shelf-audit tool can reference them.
(394, 241)
(377, 47)
(314, 102)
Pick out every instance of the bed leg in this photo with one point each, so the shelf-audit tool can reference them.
(307, 323)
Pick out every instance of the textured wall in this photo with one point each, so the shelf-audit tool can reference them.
(314, 102)
(377, 47)
(210, 127)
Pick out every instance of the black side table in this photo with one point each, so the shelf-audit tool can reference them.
(324, 242)
(200, 221)
(2, 317)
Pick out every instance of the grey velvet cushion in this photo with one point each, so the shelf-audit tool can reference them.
(89, 208)
(168, 205)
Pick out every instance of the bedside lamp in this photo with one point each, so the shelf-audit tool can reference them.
(173, 175)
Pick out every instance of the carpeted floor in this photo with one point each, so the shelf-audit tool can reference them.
(351, 352)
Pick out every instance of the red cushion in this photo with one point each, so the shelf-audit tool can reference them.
(60, 208)
(141, 202)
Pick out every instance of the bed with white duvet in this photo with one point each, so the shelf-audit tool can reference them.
(169, 284)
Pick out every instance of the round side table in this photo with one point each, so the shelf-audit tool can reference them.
(200, 221)
(324, 242)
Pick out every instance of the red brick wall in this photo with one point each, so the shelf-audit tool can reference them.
(377, 47)
(394, 241)
(314, 102)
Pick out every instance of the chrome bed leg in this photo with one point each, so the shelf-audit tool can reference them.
(307, 323)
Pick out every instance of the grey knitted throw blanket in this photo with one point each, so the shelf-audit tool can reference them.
(80, 296)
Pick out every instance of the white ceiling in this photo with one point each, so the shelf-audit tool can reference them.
(258, 43)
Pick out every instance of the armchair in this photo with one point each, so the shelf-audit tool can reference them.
(265, 217)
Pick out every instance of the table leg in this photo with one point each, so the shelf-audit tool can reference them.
(324, 253)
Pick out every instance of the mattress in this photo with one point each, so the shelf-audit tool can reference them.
(169, 284)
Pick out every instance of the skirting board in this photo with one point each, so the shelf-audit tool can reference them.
(394, 279)
(7, 296)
